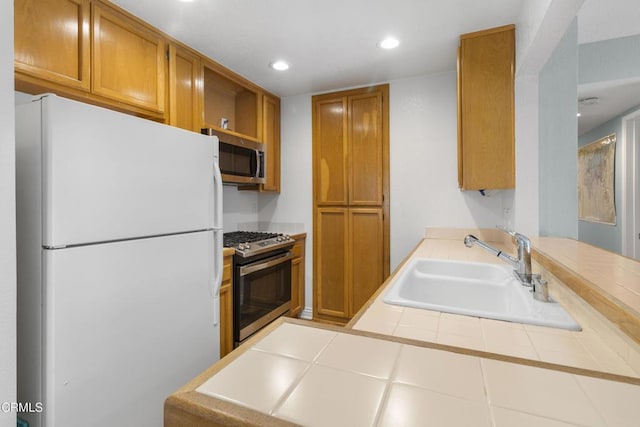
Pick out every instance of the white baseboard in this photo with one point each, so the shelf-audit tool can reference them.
(307, 313)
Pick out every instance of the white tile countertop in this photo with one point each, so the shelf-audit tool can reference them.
(307, 374)
(600, 346)
(397, 365)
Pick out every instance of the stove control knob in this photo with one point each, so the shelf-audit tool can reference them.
(247, 245)
(241, 246)
(286, 237)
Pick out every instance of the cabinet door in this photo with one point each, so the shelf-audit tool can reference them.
(296, 307)
(52, 41)
(365, 149)
(185, 89)
(331, 251)
(366, 266)
(486, 129)
(226, 309)
(330, 157)
(271, 138)
(128, 61)
(297, 278)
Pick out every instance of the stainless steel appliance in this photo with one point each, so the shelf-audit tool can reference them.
(241, 160)
(261, 280)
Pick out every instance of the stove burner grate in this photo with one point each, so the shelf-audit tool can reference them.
(236, 237)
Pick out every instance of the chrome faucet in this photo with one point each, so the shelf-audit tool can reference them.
(521, 265)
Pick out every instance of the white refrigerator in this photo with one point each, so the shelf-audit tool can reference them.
(119, 226)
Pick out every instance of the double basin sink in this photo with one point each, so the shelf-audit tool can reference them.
(473, 289)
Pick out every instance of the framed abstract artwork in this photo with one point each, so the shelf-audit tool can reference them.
(596, 181)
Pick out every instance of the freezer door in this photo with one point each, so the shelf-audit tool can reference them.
(110, 176)
(126, 325)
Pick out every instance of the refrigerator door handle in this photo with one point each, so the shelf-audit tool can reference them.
(217, 239)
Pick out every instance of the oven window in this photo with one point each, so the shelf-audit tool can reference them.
(259, 296)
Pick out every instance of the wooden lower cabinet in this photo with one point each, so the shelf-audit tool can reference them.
(350, 261)
(297, 276)
(226, 307)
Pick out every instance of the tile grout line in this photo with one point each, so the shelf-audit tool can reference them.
(287, 393)
(387, 389)
(591, 401)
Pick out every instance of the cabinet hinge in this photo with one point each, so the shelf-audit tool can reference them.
(166, 54)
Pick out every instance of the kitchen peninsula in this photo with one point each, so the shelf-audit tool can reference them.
(394, 365)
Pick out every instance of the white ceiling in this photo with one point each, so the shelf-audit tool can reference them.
(604, 20)
(330, 44)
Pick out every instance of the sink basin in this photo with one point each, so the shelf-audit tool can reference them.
(473, 289)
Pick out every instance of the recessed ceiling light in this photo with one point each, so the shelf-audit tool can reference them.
(279, 65)
(389, 43)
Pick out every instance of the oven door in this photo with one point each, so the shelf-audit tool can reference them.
(262, 293)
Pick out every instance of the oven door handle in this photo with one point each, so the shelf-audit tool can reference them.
(248, 269)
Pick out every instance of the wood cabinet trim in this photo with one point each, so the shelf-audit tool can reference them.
(488, 31)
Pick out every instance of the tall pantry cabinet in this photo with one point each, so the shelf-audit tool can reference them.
(351, 199)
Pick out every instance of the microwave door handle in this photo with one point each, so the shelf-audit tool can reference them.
(270, 263)
(257, 163)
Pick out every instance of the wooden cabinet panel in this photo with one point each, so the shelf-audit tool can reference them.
(331, 249)
(366, 271)
(351, 203)
(486, 129)
(297, 277)
(226, 308)
(185, 89)
(52, 41)
(128, 60)
(271, 139)
(330, 157)
(365, 149)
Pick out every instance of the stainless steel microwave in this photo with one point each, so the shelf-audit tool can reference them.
(241, 160)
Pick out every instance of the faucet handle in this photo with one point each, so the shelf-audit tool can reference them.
(517, 237)
(540, 288)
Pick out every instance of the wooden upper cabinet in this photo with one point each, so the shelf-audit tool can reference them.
(230, 99)
(486, 129)
(271, 139)
(365, 149)
(331, 151)
(128, 60)
(185, 89)
(52, 41)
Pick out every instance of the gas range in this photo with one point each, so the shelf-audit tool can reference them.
(251, 243)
